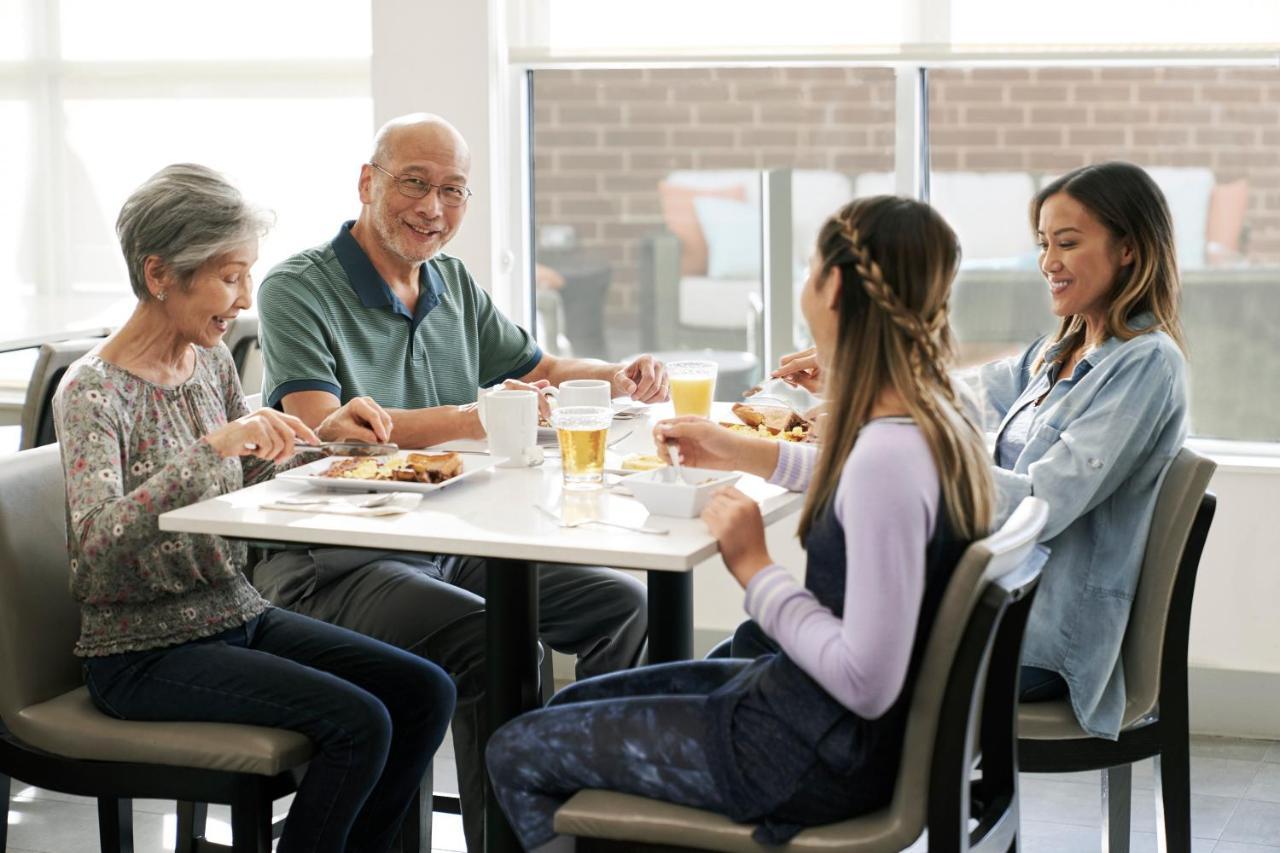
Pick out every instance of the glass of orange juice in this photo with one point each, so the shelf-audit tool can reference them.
(693, 386)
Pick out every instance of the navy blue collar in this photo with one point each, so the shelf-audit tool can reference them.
(373, 289)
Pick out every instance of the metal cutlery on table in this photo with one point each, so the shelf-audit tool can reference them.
(367, 503)
(636, 528)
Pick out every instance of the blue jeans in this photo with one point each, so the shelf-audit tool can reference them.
(375, 714)
(641, 732)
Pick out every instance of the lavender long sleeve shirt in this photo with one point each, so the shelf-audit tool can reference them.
(886, 502)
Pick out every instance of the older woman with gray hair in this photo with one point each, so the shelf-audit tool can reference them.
(171, 629)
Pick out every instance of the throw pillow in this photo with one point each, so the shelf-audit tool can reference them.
(682, 220)
(732, 230)
(1227, 206)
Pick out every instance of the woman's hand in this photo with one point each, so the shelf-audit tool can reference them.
(734, 520)
(801, 368)
(706, 444)
(266, 434)
(361, 419)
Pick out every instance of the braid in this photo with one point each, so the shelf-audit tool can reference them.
(929, 337)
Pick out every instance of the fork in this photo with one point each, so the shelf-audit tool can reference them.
(368, 503)
(636, 528)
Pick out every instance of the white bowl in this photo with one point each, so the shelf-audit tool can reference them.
(685, 497)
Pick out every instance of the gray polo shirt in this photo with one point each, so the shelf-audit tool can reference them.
(329, 322)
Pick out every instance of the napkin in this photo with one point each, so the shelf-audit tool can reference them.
(399, 505)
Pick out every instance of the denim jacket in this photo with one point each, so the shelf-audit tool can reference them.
(1097, 451)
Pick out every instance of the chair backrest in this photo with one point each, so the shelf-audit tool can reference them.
(1171, 559)
(37, 411)
(39, 621)
(1002, 556)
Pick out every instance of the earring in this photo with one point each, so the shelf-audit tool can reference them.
(161, 296)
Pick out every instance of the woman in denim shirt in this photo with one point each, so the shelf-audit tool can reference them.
(1088, 418)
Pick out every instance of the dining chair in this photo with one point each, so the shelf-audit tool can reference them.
(37, 411)
(964, 704)
(242, 340)
(1154, 652)
(51, 734)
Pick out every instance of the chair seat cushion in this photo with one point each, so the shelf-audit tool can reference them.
(1048, 721)
(625, 817)
(72, 726)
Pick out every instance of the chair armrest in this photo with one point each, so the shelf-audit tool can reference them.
(659, 283)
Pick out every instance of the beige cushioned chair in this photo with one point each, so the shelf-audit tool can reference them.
(37, 411)
(1155, 668)
(970, 663)
(54, 737)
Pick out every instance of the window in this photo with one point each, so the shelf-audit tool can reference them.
(649, 198)
(110, 93)
(1209, 138)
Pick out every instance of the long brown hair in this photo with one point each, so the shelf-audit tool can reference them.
(897, 258)
(1125, 199)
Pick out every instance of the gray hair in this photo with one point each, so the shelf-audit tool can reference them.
(185, 215)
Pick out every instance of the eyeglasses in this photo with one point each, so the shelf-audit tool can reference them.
(451, 195)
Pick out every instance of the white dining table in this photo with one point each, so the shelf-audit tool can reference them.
(495, 514)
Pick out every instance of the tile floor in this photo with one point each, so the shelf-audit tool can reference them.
(1235, 808)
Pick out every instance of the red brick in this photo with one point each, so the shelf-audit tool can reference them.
(972, 93)
(851, 93)
(838, 137)
(811, 75)
(1073, 74)
(632, 181)
(660, 160)
(1190, 74)
(702, 138)
(765, 94)
(963, 136)
(576, 138)
(792, 113)
(1166, 93)
(1039, 93)
(1259, 116)
(625, 138)
(565, 92)
(945, 160)
(701, 92)
(1121, 73)
(1079, 137)
(1067, 115)
(647, 92)
(1237, 94)
(999, 159)
(626, 230)
(589, 206)
(1225, 136)
(556, 183)
(1161, 136)
(1183, 115)
(1035, 136)
(763, 137)
(1103, 94)
(1054, 162)
(642, 205)
(727, 159)
(864, 161)
(725, 113)
(682, 76)
(588, 114)
(995, 115)
(595, 161)
(749, 75)
(1126, 116)
(862, 115)
(664, 114)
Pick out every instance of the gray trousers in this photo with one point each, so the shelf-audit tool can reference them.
(433, 606)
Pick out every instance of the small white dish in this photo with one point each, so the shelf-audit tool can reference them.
(686, 497)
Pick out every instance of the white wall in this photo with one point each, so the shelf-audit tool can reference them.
(448, 57)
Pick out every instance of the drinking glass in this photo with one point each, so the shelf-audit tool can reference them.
(583, 432)
(693, 386)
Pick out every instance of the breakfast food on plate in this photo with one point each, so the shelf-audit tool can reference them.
(411, 468)
(642, 462)
(777, 422)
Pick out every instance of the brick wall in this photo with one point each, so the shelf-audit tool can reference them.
(603, 139)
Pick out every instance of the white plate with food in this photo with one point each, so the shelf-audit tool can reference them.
(403, 472)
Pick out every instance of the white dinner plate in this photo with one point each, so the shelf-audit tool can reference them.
(310, 475)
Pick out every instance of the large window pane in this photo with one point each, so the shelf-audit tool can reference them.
(648, 200)
(272, 149)
(1210, 139)
(13, 33)
(15, 185)
(227, 31)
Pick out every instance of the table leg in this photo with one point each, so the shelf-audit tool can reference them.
(511, 647)
(670, 616)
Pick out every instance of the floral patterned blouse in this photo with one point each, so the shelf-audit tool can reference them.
(131, 450)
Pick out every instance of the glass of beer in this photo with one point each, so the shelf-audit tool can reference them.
(583, 432)
(693, 386)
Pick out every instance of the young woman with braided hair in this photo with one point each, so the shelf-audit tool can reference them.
(1087, 418)
(812, 733)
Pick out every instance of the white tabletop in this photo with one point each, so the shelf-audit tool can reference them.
(492, 514)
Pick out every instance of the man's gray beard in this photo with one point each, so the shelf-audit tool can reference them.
(390, 241)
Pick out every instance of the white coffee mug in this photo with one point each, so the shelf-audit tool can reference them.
(511, 420)
(582, 392)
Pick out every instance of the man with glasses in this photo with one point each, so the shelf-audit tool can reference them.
(379, 311)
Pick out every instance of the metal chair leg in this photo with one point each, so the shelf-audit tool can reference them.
(192, 819)
(251, 821)
(4, 811)
(1173, 796)
(1117, 790)
(115, 824)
